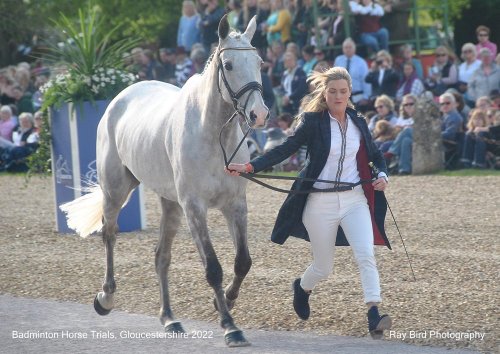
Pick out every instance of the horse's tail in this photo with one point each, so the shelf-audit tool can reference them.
(84, 214)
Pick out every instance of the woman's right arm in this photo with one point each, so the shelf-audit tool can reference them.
(279, 153)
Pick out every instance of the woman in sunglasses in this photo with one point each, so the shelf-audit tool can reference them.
(483, 38)
(443, 74)
(466, 69)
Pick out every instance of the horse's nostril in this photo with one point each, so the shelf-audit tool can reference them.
(253, 116)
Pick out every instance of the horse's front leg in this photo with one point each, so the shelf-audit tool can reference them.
(236, 216)
(196, 216)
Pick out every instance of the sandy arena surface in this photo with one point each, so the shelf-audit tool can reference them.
(450, 226)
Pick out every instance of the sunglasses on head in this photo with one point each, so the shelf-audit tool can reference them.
(445, 103)
(408, 104)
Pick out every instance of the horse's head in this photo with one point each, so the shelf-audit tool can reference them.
(240, 80)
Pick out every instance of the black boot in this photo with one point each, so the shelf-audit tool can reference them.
(377, 324)
(300, 300)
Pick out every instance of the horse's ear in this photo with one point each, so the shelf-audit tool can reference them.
(252, 26)
(223, 27)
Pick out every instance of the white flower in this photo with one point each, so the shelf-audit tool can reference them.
(103, 84)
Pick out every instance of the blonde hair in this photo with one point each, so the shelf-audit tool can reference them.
(402, 112)
(384, 53)
(318, 80)
(386, 101)
(477, 113)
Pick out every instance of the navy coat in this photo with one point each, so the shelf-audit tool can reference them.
(314, 131)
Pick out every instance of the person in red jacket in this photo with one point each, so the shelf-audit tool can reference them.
(368, 14)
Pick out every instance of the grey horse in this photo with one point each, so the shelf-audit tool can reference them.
(167, 138)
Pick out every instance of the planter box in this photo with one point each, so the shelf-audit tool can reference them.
(74, 162)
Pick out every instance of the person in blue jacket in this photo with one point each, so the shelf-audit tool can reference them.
(340, 148)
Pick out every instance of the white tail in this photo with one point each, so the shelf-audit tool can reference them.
(84, 214)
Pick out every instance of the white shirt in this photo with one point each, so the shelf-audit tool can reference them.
(341, 164)
(465, 70)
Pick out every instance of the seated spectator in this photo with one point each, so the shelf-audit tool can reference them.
(452, 120)
(486, 78)
(167, 61)
(188, 32)
(410, 83)
(293, 85)
(273, 63)
(198, 58)
(7, 124)
(337, 34)
(309, 59)
(184, 67)
(483, 103)
(385, 111)
(384, 134)
(462, 108)
(263, 11)
(151, 69)
(483, 37)
(285, 121)
(468, 67)
(495, 98)
(294, 48)
(320, 55)
(234, 10)
(443, 74)
(302, 21)
(474, 152)
(25, 140)
(368, 15)
(406, 51)
(321, 66)
(396, 17)
(24, 101)
(278, 24)
(399, 155)
(383, 78)
(358, 69)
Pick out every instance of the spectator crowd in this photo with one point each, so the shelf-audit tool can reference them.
(387, 81)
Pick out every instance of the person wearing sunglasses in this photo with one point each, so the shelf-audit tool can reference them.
(486, 78)
(452, 120)
(443, 74)
(384, 106)
(483, 38)
(399, 156)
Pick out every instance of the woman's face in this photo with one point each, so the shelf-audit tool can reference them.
(408, 70)
(446, 104)
(409, 106)
(468, 54)
(337, 95)
(382, 109)
(441, 56)
(482, 36)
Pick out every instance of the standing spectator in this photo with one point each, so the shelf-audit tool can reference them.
(259, 39)
(274, 63)
(309, 59)
(395, 19)
(383, 78)
(293, 84)
(188, 32)
(486, 78)
(385, 111)
(234, 12)
(443, 74)
(302, 21)
(249, 10)
(358, 69)
(209, 24)
(184, 67)
(168, 63)
(452, 120)
(468, 67)
(278, 24)
(483, 37)
(410, 83)
(368, 15)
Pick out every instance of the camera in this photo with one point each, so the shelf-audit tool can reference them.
(379, 61)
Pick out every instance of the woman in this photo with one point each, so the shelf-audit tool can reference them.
(474, 152)
(279, 23)
(383, 78)
(483, 39)
(443, 74)
(410, 82)
(467, 68)
(188, 32)
(385, 111)
(401, 149)
(340, 148)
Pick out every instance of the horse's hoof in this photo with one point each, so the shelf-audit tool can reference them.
(236, 339)
(174, 327)
(99, 309)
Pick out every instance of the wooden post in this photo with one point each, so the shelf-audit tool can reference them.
(427, 149)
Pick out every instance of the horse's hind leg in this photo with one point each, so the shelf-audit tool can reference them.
(196, 216)
(170, 219)
(236, 216)
(117, 183)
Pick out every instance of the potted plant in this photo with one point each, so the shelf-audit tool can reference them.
(88, 72)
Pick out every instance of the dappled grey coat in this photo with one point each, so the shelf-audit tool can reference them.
(314, 131)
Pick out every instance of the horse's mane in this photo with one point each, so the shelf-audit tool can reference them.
(210, 59)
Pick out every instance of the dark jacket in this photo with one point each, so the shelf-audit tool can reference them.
(389, 85)
(314, 131)
(299, 90)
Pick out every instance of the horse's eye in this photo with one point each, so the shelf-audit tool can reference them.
(228, 66)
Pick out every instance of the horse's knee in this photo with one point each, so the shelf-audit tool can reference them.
(242, 265)
(213, 273)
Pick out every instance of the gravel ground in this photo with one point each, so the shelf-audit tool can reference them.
(450, 226)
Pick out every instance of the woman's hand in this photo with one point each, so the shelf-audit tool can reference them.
(380, 184)
(234, 169)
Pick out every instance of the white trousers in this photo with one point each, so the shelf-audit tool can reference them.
(323, 214)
